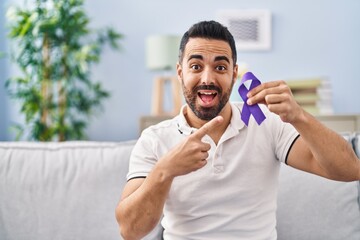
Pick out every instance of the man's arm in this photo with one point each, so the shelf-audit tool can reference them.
(143, 199)
(141, 204)
(322, 151)
(318, 150)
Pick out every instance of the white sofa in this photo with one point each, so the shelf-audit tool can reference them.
(69, 191)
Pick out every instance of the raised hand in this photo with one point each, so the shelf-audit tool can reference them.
(191, 154)
(279, 99)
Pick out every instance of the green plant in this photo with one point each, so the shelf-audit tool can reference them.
(54, 48)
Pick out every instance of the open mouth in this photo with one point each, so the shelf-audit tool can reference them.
(207, 96)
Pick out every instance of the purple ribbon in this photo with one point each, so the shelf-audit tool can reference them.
(250, 109)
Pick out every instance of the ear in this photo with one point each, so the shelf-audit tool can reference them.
(179, 72)
(235, 74)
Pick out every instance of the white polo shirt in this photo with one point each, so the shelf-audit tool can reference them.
(234, 195)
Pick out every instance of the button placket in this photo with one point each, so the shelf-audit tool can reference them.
(218, 164)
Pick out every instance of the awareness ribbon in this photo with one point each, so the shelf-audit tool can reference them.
(250, 109)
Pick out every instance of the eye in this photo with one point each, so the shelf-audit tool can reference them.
(195, 67)
(221, 68)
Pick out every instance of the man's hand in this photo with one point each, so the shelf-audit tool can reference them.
(191, 154)
(278, 98)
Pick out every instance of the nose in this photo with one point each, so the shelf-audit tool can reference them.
(207, 77)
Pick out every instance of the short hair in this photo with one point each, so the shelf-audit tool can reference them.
(208, 30)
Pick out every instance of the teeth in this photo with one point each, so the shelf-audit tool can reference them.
(206, 93)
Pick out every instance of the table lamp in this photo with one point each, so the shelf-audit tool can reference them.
(162, 56)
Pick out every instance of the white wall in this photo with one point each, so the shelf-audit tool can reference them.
(310, 38)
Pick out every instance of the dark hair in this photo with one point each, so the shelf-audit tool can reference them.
(209, 30)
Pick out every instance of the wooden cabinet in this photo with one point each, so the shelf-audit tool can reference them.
(147, 121)
(339, 123)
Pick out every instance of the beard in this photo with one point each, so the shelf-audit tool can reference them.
(206, 113)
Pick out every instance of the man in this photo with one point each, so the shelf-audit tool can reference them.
(208, 174)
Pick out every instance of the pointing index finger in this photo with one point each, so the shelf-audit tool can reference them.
(207, 127)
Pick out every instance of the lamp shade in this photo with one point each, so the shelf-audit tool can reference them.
(162, 51)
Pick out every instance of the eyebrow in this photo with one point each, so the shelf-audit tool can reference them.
(218, 58)
(195, 56)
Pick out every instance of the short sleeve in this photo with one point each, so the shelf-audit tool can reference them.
(284, 137)
(143, 157)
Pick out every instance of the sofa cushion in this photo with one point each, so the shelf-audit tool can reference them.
(313, 208)
(356, 144)
(61, 190)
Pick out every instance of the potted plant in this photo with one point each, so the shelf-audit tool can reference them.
(54, 48)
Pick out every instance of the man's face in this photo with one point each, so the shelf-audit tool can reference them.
(207, 74)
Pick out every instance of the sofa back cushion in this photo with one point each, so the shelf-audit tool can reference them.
(313, 208)
(356, 143)
(61, 190)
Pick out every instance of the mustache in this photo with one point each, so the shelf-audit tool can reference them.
(207, 87)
